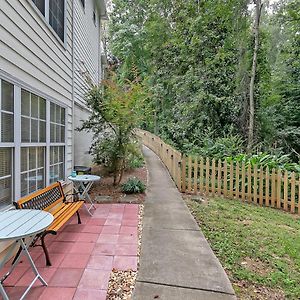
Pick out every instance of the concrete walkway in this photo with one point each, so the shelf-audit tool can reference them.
(176, 260)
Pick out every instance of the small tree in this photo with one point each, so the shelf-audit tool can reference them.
(117, 109)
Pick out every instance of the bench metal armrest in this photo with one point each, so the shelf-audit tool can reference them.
(75, 199)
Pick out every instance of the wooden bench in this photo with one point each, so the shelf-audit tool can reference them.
(53, 200)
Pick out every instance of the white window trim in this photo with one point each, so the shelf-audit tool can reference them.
(45, 19)
(17, 144)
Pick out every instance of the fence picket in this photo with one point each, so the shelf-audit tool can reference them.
(190, 174)
(183, 173)
(293, 190)
(273, 188)
(213, 176)
(219, 177)
(255, 184)
(207, 169)
(278, 192)
(267, 187)
(201, 175)
(285, 190)
(237, 180)
(249, 182)
(261, 186)
(225, 178)
(195, 175)
(231, 175)
(243, 181)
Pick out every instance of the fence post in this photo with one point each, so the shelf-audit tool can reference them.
(273, 188)
(255, 184)
(278, 189)
(249, 181)
(201, 175)
(207, 171)
(225, 178)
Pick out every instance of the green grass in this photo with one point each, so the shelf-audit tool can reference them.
(257, 246)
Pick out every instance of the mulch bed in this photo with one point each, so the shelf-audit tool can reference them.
(106, 192)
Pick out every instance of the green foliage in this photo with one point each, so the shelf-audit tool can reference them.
(133, 186)
(117, 109)
(256, 245)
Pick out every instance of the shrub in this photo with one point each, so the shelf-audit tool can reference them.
(133, 186)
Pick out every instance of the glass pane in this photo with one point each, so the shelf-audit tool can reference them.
(25, 130)
(56, 16)
(42, 132)
(40, 4)
(34, 106)
(58, 134)
(5, 192)
(7, 98)
(57, 114)
(34, 131)
(24, 183)
(63, 115)
(32, 180)
(32, 158)
(52, 112)
(40, 179)
(61, 172)
(5, 158)
(25, 103)
(52, 175)
(41, 157)
(7, 127)
(52, 133)
(61, 154)
(24, 159)
(42, 109)
(62, 134)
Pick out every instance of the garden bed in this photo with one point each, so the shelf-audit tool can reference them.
(258, 247)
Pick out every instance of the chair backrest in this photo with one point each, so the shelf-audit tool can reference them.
(43, 199)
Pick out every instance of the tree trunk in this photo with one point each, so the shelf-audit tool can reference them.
(258, 7)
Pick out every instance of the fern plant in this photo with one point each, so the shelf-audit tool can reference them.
(133, 186)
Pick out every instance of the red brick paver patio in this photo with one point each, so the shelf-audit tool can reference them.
(82, 256)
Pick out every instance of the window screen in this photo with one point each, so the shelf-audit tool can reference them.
(57, 124)
(33, 118)
(57, 163)
(57, 16)
(40, 4)
(5, 176)
(7, 112)
(32, 169)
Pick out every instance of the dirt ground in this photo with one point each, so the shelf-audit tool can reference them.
(105, 192)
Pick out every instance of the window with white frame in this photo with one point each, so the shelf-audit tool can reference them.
(6, 142)
(32, 142)
(54, 13)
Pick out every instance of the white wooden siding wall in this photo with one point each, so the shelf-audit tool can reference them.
(31, 53)
(86, 47)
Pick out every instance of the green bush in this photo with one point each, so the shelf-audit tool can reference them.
(133, 186)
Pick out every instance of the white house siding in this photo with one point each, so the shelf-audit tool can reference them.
(87, 61)
(33, 55)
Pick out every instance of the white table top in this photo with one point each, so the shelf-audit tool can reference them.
(19, 223)
(85, 178)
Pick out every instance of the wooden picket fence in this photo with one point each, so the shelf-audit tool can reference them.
(198, 175)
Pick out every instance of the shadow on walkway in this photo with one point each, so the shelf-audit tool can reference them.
(176, 260)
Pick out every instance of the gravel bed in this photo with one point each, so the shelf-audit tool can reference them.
(121, 283)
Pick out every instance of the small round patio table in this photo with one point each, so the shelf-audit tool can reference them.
(16, 226)
(82, 186)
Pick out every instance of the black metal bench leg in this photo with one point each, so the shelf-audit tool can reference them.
(78, 217)
(48, 262)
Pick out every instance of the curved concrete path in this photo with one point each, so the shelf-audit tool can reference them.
(176, 260)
